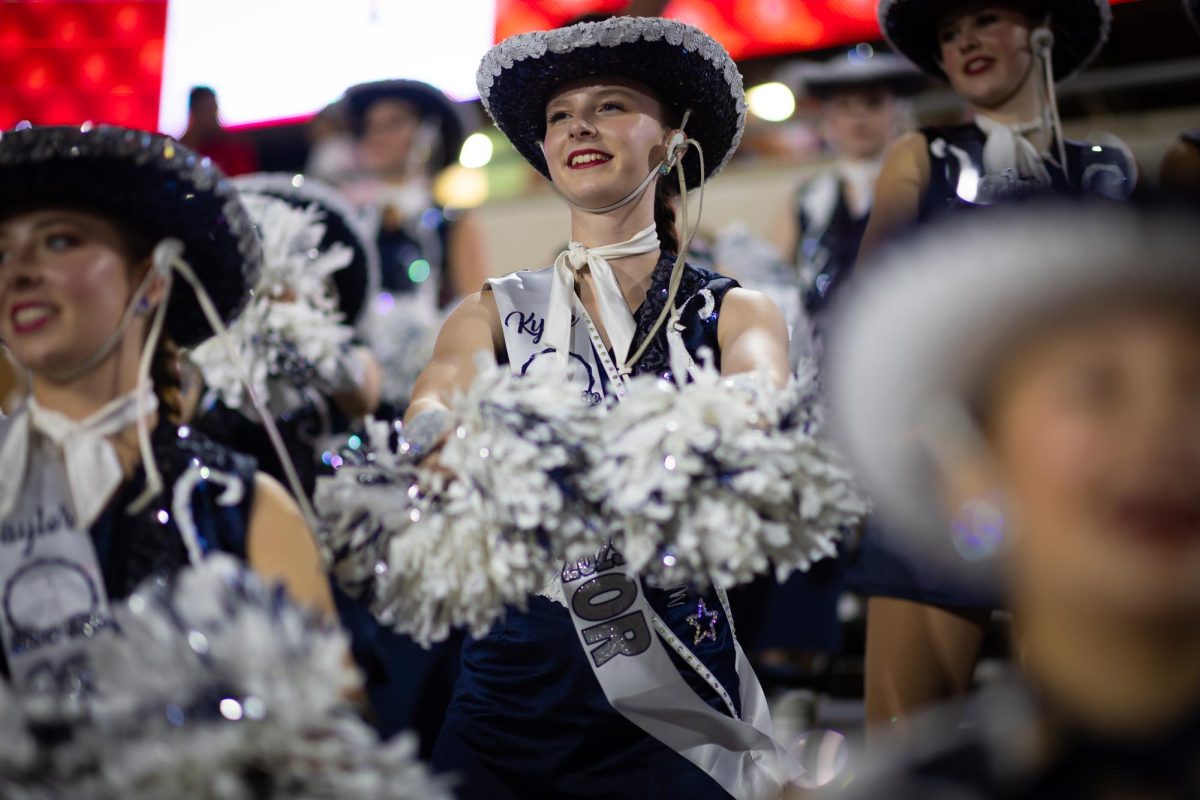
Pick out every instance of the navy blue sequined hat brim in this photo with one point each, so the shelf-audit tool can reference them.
(357, 281)
(159, 188)
(1080, 30)
(428, 100)
(685, 67)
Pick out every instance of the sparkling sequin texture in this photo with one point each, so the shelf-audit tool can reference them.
(152, 183)
(704, 623)
(687, 68)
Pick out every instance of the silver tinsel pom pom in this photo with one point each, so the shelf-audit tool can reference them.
(438, 547)
(291, 336)
(723, 479)
(218, 687)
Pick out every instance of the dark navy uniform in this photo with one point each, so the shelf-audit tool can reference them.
(529, 718)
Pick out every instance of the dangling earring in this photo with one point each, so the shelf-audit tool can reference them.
(143, 307)
(979, 527)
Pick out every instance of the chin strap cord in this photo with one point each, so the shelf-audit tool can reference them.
(686, 233)
(168, 260)
(1042, 42)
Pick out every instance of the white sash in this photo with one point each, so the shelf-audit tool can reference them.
(523, 299)
(53, 596)
(616, 626)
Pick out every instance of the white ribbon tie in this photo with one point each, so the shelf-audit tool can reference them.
(93, 470)
(1008, 149)
(614, 311)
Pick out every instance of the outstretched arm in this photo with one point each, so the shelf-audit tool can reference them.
(471, 328)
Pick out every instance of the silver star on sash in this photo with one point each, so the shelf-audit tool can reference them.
(705, 623)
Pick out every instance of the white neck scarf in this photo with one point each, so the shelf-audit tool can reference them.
(92, 468)
(614, 311)
(860, 176)
(1008, 149)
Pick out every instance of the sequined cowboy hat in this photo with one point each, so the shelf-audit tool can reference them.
(911, 350)
(1080, 29)
(686, 67)
(428, 100)
(359, 280)
(157, 186)
(850, 71)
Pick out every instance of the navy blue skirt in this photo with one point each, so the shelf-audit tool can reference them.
(529, 720)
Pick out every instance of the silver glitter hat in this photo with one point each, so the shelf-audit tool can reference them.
(359, 280)
(687, 68)
(1080, 29)
(156, 186)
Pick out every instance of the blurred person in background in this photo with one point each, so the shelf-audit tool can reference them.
(430, 256)
(232, 153)
(1036, 407)
(408, 131)
(320, 269)
(332, 150)
(861, 113)
(1004, 60)
(925, 628)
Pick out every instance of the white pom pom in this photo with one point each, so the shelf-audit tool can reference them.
(218, 687)
(291, 336)
(723, 479)
(452, 545)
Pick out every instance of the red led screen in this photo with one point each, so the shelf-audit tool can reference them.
(747, 28)
(66, 62)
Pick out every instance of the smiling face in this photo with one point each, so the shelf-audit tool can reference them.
(860, 123)
(65, 281)
(389, 130)
(985, 52)
(1095, 427)
(603, 135)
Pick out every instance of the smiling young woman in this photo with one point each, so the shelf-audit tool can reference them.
(1002, 57)
(606, 111)
(103, 486)
(1037, 409)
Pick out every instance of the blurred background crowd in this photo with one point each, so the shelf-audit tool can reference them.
(378, 99)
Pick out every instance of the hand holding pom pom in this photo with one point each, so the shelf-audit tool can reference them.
(453, 541)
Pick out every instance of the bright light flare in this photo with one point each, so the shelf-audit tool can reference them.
(773, 102)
